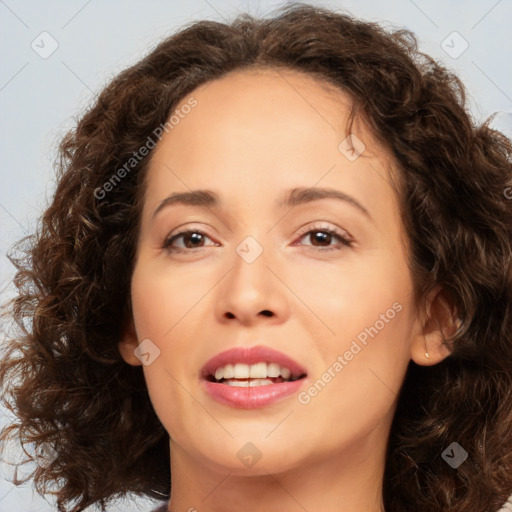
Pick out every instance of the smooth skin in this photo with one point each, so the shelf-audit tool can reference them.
(254, 135)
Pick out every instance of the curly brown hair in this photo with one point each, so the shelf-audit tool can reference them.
(62, 373)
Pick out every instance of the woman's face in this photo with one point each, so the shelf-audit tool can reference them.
(301, 253)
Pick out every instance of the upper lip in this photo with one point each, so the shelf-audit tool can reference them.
(251, 355)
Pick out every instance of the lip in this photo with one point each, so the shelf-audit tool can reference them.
(251, 397)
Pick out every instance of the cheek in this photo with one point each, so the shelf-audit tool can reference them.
(160, 297)
(363, 299)
(373, 347)
(163, 313)
(368, 310)
(364, 369)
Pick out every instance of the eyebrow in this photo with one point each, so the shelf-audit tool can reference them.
(294, 197)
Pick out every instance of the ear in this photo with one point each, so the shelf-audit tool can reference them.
(437, 321)
(129, 343)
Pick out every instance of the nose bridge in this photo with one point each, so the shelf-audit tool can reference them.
(250, 274)
(250, 288)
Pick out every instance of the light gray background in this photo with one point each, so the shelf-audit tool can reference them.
(40, 98)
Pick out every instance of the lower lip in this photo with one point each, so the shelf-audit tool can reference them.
(251, 397)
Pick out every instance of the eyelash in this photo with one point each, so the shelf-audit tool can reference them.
(343, 239)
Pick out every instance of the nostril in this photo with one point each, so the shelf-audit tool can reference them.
(266, 312)
(230, 315)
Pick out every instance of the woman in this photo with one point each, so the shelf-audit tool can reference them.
(276, 274)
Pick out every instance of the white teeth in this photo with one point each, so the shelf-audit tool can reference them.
(248, 383)
(254, 371)
(259, 382)
(273, 370)
(228, 371)
(285, 373)
(258, 371)
(237, 383)
(241, 371)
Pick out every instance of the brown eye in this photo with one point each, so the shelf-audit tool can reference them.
(320, 237)
(189, 240)
(323, 238)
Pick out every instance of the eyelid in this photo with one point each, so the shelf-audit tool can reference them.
(344, 237)
(184, 228)
(179, 232)
(326, 226)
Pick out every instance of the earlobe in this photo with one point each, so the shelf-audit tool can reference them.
(129, 343)
(437, 324)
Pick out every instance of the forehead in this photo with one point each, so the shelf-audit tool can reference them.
(270, 110)
(266, 127)
(259, 94)
(274, 82)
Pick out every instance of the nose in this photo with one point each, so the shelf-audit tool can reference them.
(252, 292)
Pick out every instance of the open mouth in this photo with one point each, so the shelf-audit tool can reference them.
(252, 375)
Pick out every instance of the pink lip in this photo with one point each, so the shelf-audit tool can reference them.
(251, 397)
